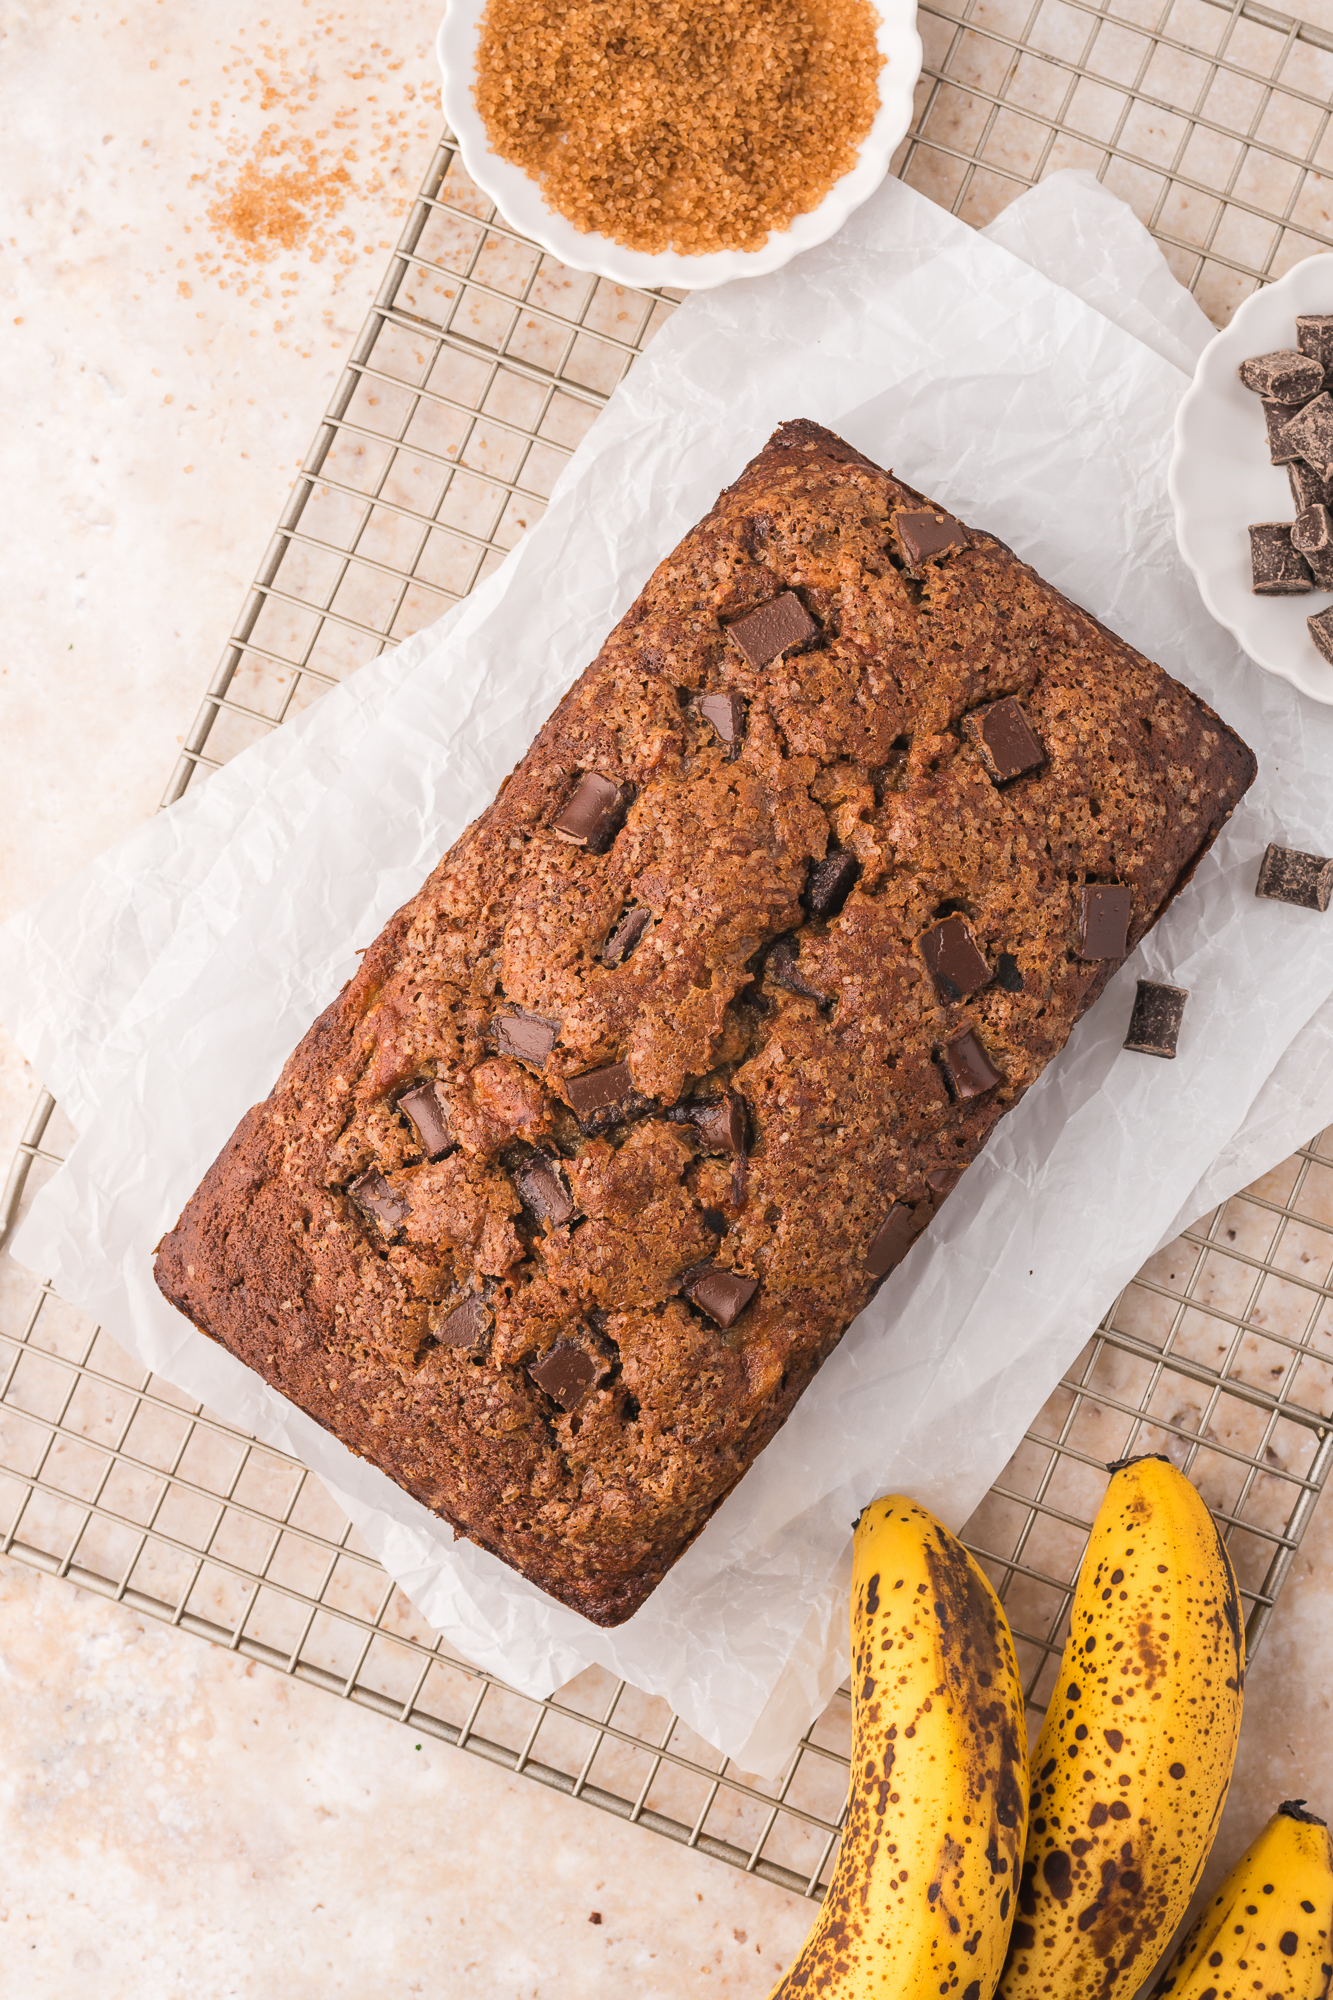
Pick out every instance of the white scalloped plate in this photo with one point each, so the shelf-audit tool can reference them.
(1220, 481)
(519, 198)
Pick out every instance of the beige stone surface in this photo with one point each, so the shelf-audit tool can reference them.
(200, 203)
(177, 1822)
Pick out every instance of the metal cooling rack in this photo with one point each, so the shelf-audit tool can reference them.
(480, 367)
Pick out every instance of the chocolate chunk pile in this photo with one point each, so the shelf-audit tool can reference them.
(1289, 558)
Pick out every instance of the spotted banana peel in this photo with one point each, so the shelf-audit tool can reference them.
(1269, 1928)
(922, 1894)
(1132, 1766)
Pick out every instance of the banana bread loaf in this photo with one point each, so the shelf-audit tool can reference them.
(560, 1205)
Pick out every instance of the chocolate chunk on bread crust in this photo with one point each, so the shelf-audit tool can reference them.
(573, 1313)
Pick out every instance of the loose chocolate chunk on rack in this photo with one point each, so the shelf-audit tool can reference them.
(773, 629)
(428, 1114)
(1008, 973)
(894, 1238)
(727, 714)
(1277, 416)
(971, 1070)
(829, 883)
(595, 813)
(566, 1373)
(1312, 537)
(952, 959)
(373, 1194)
(1288, 876)
(1321, 631)
(542, 1186)
(1003, 736)
(1277, 569)
(1103, 919)
(1309, 435)
(923, 537)
(629, 928)
(602, 1097)
(1314, 336)
(722, 1294)
(1155, 1023)
(1284, 377)
(466, 1326)
(526, 1036)
(1307, 488)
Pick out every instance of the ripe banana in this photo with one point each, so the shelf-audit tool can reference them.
(1135, 1758)
(921, 1898)
(1268, 1927)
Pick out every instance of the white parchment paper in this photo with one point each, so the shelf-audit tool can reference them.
(161, 991)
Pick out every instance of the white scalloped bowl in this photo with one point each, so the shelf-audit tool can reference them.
(519, 198)
(1220, 481)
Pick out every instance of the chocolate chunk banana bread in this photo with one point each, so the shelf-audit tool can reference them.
(558, 1208)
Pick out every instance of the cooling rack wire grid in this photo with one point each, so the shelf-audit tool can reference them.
(480, 367)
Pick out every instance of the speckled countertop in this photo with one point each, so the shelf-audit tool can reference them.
(199, 210)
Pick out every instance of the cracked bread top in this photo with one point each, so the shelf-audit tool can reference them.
(559, 1206)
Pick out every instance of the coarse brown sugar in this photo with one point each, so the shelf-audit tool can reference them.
(689, 125)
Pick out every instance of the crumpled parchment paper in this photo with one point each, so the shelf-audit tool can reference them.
(1027, 377)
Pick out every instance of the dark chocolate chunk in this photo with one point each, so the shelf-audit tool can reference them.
(599, 1091)
(1309, 435)
(373, 1194)
(1284, 377)
(727, 714)
(971, 1070)
(1307, 488)
(526, 1036)
(1003, 736)
(943, 1180)
(722, 1294)
(895, 1237)
(466, 1326)
(952, 959)
(629, 929)
(723, 1127)
(773, 629)
(427, 1113)
(1103, 919)
(542, 1186)
(1321, 631)
(1277, 416)
(1312, 537)
(1277, 569)
(784, 970)
(1288, 876)
(566, 1373)
(829, 883)
(595, 813)
(924, 536)
(1008, 973)
(892, 774)
(1314, 336)
(1155, 1023)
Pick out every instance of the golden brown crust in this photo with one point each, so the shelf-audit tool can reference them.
(829, 1028)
